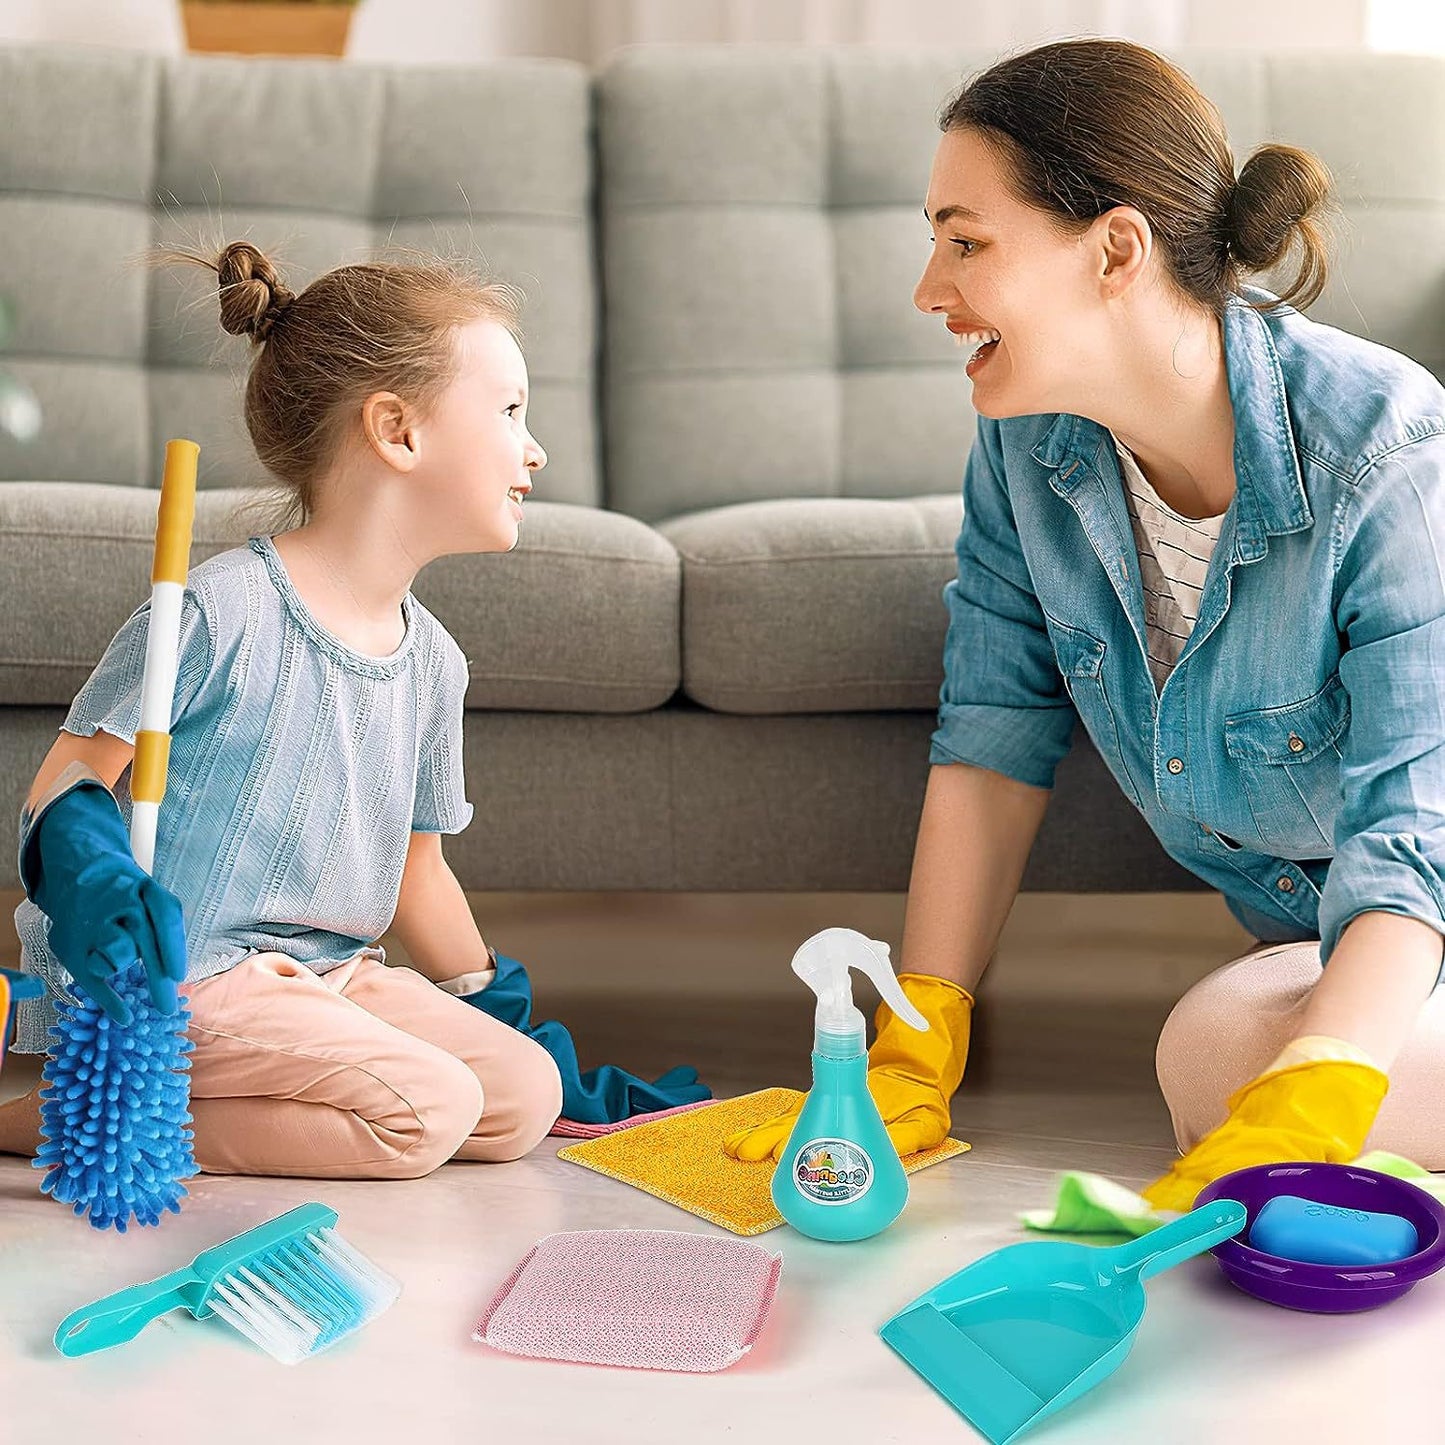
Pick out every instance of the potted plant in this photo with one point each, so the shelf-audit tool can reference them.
(268, 27)
(19, 410)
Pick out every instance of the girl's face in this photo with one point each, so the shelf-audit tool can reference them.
(477, 456)
(1002, 269)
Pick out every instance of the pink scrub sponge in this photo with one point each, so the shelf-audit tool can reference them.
(649, 1299)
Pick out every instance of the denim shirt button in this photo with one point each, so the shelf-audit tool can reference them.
(1285, 885)
(1175, 765)
(1296, 743)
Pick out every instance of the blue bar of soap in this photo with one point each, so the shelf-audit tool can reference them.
(1311, 1233)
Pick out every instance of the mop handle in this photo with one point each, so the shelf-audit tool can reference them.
(175, 517)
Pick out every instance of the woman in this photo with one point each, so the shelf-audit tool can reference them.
(1216, 530)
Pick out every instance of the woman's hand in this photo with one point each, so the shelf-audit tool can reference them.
(1319, 1112)
(912, 1075)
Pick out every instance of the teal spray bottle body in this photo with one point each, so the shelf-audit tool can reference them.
(840, 1177)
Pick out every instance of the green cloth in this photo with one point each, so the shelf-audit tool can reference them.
(1382, 1163)
(1091, 1204)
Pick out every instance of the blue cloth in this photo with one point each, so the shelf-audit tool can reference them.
(605, 1095)
(106, 911)
(298, 770)
(1295, 758)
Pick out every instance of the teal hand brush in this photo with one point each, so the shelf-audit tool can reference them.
(293, 1286)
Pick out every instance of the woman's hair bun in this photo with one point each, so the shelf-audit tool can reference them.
(1281, 200)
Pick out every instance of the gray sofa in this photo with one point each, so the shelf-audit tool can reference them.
(713, 660)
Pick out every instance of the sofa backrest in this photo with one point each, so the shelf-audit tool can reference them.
(103, 154)
(760, 236)
(762, 233)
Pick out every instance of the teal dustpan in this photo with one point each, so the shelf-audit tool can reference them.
(1026, 1330)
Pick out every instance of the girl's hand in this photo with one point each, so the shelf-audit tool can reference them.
(106, 912)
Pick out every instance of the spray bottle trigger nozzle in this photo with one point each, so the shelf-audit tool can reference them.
(889, 989)
(824, 960)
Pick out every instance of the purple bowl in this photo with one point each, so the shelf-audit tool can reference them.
(1324, 1288)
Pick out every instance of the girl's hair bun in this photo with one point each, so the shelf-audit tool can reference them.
(253, 298)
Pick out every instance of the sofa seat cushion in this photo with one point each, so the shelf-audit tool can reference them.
(581, 617)
(817, 604)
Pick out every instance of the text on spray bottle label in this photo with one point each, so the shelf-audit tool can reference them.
(832, 1171)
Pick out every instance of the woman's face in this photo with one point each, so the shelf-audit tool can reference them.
(1001, 268)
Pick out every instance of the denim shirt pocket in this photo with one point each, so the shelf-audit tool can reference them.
(1288, 759)
(1080, 658)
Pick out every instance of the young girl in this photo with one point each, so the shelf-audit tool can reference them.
(316, 755)
(1216, 531)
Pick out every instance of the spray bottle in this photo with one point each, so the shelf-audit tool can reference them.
(840, 1177)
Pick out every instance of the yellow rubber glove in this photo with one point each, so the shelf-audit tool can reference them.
(911, 1075)
(1317, 1112)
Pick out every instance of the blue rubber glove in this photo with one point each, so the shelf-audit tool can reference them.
(106, 912)
(606, 1095)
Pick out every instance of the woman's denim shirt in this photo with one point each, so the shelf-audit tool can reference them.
(1294, 757)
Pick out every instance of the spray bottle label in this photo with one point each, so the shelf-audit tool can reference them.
(832, 1171)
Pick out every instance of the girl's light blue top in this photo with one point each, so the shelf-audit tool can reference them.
(298, 770)
(1295, 758)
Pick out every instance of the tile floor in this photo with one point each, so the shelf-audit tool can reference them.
(1056, 1087)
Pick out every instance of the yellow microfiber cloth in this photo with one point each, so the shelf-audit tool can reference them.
(681, 1160)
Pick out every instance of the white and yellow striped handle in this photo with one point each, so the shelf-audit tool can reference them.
(175, 518)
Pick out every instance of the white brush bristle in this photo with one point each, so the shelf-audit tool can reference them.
(299, 1298)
